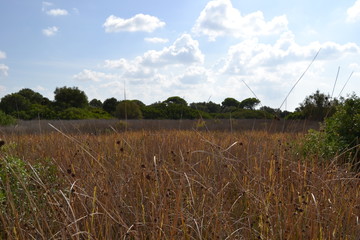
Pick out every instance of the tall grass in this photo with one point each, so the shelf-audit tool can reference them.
(178, 185)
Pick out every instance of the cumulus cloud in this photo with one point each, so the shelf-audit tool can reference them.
(50, 31)
(353, 13)
(184, 51)
(220, 18)
(2, 55)
(140, 22)
(156, 40)
(249, 55)
(4, 69)
(89, 75)
(57, 12)
(194, 75)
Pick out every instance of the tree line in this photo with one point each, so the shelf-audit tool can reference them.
(72, 103)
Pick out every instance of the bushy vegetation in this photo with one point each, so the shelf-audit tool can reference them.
(72, 103)
(339, 135)
(6, 119)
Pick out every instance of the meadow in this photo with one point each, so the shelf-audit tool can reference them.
(194, 180)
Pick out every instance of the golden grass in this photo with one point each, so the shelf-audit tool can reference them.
(184, 185)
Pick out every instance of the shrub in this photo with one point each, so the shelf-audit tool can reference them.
(339, 135)
(6, 119)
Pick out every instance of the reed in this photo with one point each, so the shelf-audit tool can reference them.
(171, 184)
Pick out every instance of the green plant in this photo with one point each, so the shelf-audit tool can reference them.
(339, 135)
(6, 119)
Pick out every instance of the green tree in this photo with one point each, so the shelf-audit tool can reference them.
(249, 103)
(175, 100)
(209, 107)
(96, 103)
(317, 106)
(230, 102)
(110, 104)
(128, 109)
(32, 96)
(14, 103)
(67, 97)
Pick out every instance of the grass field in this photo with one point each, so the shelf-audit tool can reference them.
(173, 184)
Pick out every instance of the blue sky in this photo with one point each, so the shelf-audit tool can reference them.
(200, 50)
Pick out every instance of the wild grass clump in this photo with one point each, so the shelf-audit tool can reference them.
(184, 185)
(27, 196)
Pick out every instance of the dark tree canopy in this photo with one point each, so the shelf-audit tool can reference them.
(110, 104)
(175, 100)
(32, 96)
(96, 103)
(67, 97)
(317, 106)
(249, 103)
(230, 102)
(14, 103)
(209, 107)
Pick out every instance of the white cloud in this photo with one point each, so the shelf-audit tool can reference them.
(50, 31)
(140, 22)
(247, 56)
(2, 55)
(220, 18)
(156, 40)
(45, 5)
(89, 75)
(185, 50)
(57, 12)
(353, 13)
(194, 75)
(4, 70)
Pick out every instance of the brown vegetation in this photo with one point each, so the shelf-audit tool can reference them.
(171, 184)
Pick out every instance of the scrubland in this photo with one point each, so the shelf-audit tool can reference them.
(173, 184)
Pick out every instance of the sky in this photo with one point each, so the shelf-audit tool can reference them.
(199, 50)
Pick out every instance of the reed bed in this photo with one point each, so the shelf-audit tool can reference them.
(172, 184)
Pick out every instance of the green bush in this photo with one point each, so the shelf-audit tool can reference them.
(339, 135)
(6, 119)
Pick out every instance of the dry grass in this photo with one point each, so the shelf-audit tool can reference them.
(182, 185)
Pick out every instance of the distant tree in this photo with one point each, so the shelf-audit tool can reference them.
(32, 96)
(110, 104)
(209, 107)
(67, 97)
(138, 102)
(249, 103)
(96, 103)
(156, 110)
(14, 103)
(230, 102)
(317, 106)
(128, 109)
(213, 107)
(175, 100)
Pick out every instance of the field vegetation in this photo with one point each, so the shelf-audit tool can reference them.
(174, 184)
